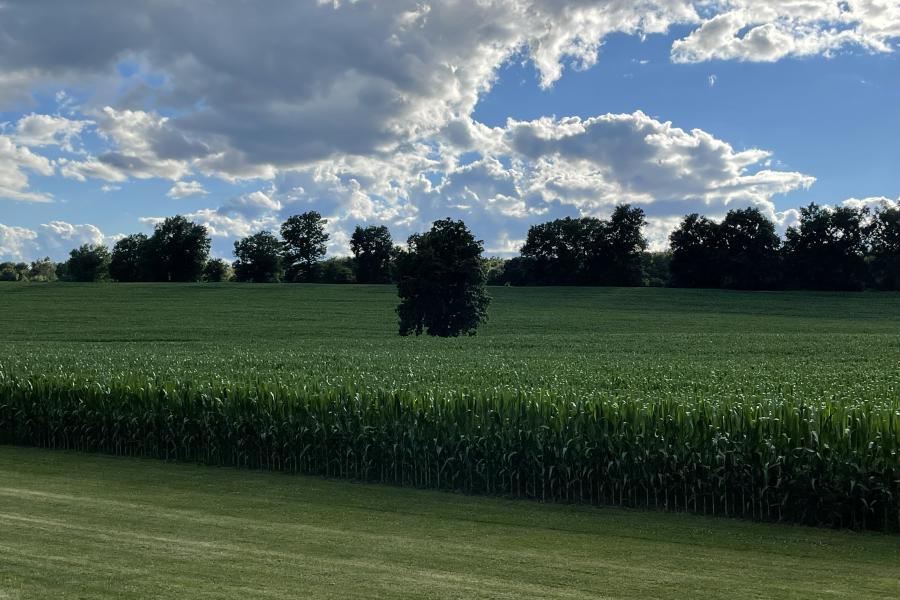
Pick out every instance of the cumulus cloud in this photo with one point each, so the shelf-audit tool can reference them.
(48, 130)
(54, 239)
(363, 110)
(15, 163)
(873, 203)
(16, 243)
(597, 162)
(769, 30)
(186, 189)
(372, 77)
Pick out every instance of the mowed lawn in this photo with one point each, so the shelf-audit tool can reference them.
(76, 526)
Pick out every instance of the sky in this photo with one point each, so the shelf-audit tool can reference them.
(502, 113)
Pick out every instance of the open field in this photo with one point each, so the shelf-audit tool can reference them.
(774, 406)
(76, 526)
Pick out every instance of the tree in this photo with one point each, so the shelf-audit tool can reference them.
(560, 251)
(696, 253)
(826, 251)
(749, 250)
(258, 258)
(130, 259)
(657, 269)
(615, 254)
(8, 272)
(335, 270)
(372, 249)
(88, 263)
(442, 282)
(304, 244)
(216, 271)
(178, 250)
(42, 269)
(885, 244)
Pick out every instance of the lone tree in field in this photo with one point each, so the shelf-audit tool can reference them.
(442, 282)
(258, 258)
(177, 250)
(304, 244)
(372, 249)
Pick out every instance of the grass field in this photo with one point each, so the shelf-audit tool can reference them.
(87, 527)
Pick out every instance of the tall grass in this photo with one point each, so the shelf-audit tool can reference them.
(824, 463)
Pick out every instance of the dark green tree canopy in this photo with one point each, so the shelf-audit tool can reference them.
(826, 251)
(616, 252)
(304, 244)
(586, 251)
(442, 282)
(372, 249)
(696, 247)
(258, 258)
(178, 250)
(216, 271)
(88, 263)
(130, 259)
(741, 252)
(42, 269)
(885, 243)
(560, 250)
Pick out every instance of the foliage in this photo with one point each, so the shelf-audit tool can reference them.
(88, 263)
(178, 250)
(442, 282)
(130, 260)
(560, 250)
(304, 244)
(495, 270)
(373, 249)
(258, 258)
(587, 251)
(885, 241)
(42, 269)
(335, 270)
(657, 269)
(217, 271)
(741, 252)
(9, 272)
(827, 250)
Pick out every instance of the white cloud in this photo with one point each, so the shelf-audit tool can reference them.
(54, 239)
(373, 123)
(712, 80)
(186, 189)
(16, 243)
(48, 130)
(598, 162)
(873, 202)
(770, 30)
(15, 162)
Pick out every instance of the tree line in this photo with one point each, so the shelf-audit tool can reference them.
(844, 248)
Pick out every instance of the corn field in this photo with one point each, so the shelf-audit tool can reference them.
(827, 464)
(779, 407)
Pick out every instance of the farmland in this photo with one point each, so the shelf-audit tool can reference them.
(769, 406)
(78, 526)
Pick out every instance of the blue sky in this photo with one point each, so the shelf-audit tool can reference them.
(503, 114)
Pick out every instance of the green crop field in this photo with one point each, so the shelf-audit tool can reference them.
(780, 406)
(767, 406)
